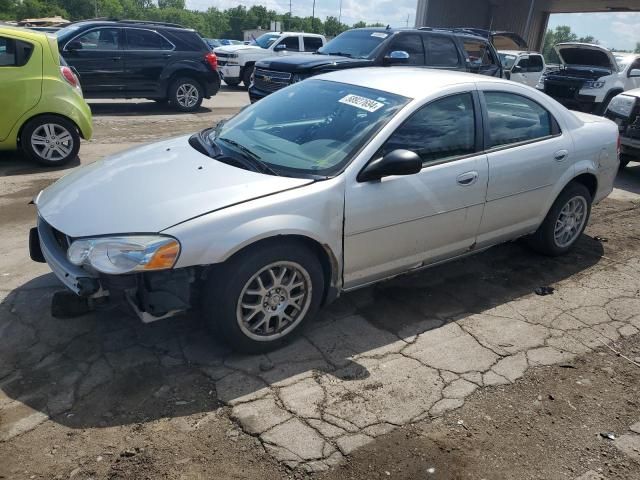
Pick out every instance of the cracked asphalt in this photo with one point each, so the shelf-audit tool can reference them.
(104, 396)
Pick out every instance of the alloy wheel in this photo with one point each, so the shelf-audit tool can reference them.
(187, 95)
(274, 301)
(52, 142)
(570, 221)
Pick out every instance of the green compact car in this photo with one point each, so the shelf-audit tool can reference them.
(43, 111)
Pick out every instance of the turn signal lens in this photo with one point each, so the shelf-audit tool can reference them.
(164, 258)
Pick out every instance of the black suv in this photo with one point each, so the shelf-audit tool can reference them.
(135, 59)
(370, 47)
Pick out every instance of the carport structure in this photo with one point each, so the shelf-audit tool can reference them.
(529, 18)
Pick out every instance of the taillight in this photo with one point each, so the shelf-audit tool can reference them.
(70, 77)
(212, 60)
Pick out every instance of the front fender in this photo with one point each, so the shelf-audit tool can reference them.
(314, 211)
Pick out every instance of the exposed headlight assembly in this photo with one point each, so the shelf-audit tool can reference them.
(592, 84)
(125, 254)
(622, 105)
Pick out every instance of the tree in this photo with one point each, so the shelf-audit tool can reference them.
(359, 24)
(178, 4)
(333, 27)
(637, 50)
(561, 34)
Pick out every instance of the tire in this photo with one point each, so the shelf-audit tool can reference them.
(246, 75)
(255, 330)
(624, 161)
(545, 240)
(50, 140)
(186, 94)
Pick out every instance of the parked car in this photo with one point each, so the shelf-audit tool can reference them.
(213, 43)
(136, 59)
(43, 112)
(522, 67)
(326, 186)
(237, 61)
(367, 47)
(590, 76)
(624, 109)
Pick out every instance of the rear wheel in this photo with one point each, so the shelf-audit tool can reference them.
(261, 298)
(50, 140)
(565, 222)
(624, 160)
(186, 94)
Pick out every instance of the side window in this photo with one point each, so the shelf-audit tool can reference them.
(291, 44)
(14, 53)
(442, 52)
(410, 43)
(514, 118)
(478, 53)
(99, 39)
(146, 40)
(442, 129)
(535, 64)
(312, 44)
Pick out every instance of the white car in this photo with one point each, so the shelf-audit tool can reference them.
(590, 76)
(236, 62)
(325, 186)
(624, 109)
(522, 67)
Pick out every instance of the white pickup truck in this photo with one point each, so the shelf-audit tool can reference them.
(235, 62)
(522, 67)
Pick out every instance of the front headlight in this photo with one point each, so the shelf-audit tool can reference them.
(592, 84)
(622, 105)
(118, 255)
(232, 59)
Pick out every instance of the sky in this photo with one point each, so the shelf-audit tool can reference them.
(613, 30)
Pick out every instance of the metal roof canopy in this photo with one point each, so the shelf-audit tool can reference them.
(529, 18)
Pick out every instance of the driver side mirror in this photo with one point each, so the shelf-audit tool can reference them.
(280, 47)
(397, 162)
(516, 69)
(396, 57)
(72, 46)
(635, 72)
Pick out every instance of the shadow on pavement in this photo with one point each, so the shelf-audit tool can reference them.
(107, 368)
(628, 179)
(138, 107)
(15, 163)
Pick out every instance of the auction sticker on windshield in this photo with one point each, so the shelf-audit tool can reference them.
(379, 35)
(361, 102)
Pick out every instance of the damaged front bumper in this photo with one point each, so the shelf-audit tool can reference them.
(151, 296)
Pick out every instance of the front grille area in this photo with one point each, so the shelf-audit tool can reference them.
(561, 90)
(270, 80)
(62, 240)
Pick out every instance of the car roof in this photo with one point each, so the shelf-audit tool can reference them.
(24, 32)
(411, 82)
(518, 52)
(133, 24)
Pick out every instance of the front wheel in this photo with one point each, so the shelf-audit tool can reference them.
(50, 140)
(565, 222)
(186, 94)
(246, 75)
(261, 298)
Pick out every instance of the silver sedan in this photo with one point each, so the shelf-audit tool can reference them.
(326, 186)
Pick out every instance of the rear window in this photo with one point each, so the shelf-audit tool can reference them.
(311, 44)
(14, 53)
(138, 39)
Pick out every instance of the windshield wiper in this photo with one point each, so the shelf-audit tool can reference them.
(248, 154)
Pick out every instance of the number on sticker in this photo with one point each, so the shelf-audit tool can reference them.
(361, 102)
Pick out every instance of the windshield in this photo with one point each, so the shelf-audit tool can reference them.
(507, 60)
(623, 61)
(310, 128)
(266, 40)
(355, 43)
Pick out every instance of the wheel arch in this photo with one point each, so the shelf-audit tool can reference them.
(185, 73)
(42, 114)
(324, 253)
(589, 180)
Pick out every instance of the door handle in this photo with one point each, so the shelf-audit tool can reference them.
(561, 155)
(467, 179)
(115, 59)
(166, 55)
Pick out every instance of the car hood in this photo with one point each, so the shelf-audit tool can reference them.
(237, 48)
(149, 189)
(586, 55)
(300, 63)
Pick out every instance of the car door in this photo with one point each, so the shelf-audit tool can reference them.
(287, 46)
(311, 44)
(96, 55)
(519, 70)
(146, 55)
(528, 153)
(20, 80)
(442, 52)
(402, 222)
(410, 43)
(534, 70)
